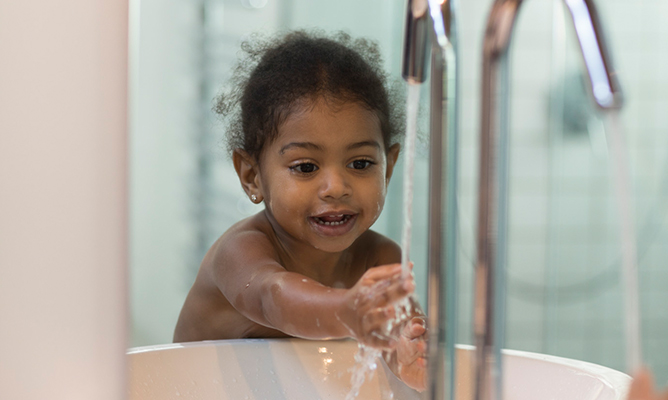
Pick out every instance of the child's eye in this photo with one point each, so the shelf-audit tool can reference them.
(361, 164)
(304, 168)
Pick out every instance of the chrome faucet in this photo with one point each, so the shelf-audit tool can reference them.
(434, 21)
(490, 270)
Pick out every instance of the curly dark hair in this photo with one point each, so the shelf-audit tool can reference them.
(276, 76)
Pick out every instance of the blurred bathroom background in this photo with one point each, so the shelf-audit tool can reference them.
(564, 292)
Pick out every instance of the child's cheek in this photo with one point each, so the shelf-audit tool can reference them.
(379, 204)
(381, 192)
(379, 209)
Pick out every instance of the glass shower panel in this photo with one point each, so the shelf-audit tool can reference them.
(564, 278)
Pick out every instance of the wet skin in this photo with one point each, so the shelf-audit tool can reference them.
(308, 266)
(642, 387)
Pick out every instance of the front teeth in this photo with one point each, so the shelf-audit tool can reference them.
(334, 223)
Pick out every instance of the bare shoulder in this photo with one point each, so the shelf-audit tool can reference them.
(212, 309)
(255, 227)
(380, 249)
(246, 243)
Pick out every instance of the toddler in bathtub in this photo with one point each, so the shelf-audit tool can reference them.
(313, 136)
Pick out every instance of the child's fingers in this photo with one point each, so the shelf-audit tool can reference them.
(379, 341)
(377, 318)
(382, 272)
(415, 328)
(391, 287)
(413, 344)
(380, 320)
(385, 292)
(409, 351)
(376, 330)
(422, 347)
(377, 324)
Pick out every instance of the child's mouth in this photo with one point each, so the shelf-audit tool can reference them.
(333, 220)
(333, 224)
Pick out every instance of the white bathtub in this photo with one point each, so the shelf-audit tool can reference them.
(292, 369)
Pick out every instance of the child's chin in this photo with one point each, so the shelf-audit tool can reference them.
(331, 245)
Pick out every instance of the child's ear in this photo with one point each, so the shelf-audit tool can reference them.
(392, 156)
(249, 174)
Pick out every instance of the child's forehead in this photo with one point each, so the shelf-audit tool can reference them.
(331, 127)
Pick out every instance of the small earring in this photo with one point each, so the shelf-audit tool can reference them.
(253, 198)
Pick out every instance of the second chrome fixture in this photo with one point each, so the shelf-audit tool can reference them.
(493, 197)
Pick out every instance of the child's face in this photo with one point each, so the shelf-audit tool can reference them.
(324, 179)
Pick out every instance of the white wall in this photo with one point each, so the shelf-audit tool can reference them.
(63, 215)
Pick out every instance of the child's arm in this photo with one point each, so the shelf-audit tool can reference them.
(263, 291)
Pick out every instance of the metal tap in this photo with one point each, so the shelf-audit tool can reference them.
(435, 19)
(490, 270)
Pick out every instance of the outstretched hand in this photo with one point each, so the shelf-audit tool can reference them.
(411, 354)
(370, 316)
(369, 308)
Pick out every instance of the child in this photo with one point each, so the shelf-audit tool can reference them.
(313, 140)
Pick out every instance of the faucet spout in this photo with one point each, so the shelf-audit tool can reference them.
(416, 37)
(604, 86)
(490, 270)
(434, 19)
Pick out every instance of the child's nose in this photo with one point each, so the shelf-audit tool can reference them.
(335, 185)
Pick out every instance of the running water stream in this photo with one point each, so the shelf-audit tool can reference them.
(367, 357)
(409, 170)
(620, 172)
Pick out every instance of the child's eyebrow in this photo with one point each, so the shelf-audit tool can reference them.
(303, 145)
(313, 146)
(369, 143)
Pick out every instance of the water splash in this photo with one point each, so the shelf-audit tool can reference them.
(409, 171)
(620, 174)
(366, 360)
(366, 357)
